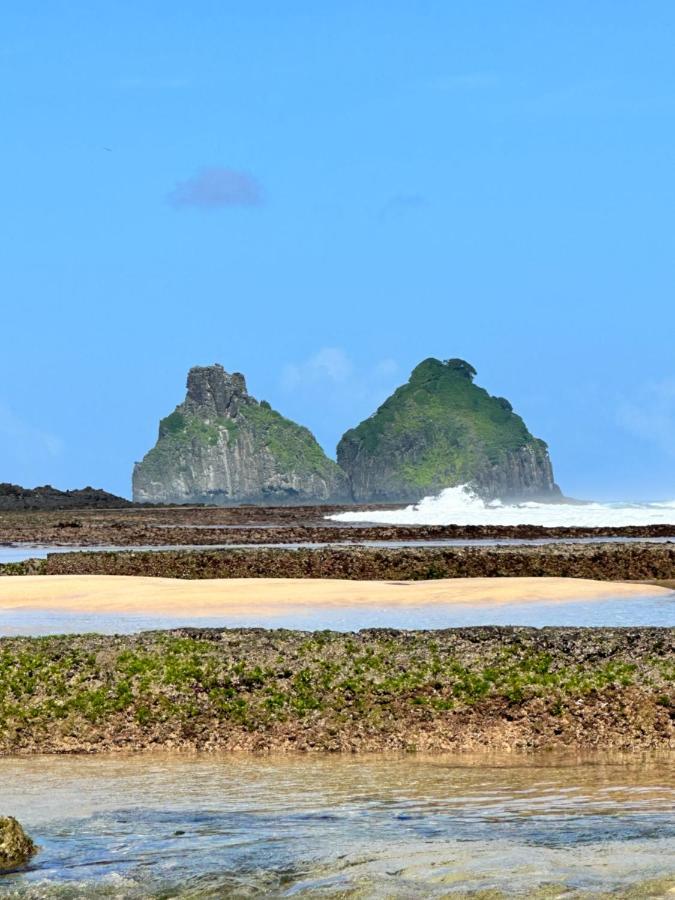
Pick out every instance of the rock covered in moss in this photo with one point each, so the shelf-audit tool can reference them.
(16, 848)
(441, 430)
(222, 446)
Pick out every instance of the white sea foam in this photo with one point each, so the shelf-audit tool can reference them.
(460, 506)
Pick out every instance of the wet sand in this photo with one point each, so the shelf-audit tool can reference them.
(247, 596)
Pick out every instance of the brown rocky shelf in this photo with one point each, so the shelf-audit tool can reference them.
(251, 689)
(259, 525)
(606, 562)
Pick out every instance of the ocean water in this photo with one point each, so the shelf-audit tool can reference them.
(460, 506)
(369, 826)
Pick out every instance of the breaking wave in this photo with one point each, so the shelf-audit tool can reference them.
(461, 506)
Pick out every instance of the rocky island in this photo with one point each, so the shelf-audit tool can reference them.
(222, 446)
(441, 430)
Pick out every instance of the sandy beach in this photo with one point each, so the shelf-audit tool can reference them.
(244, 596)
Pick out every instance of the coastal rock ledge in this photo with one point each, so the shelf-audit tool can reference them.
(221, 446)
(461, 689)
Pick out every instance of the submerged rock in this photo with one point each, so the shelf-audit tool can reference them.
(16, 848)
(222, 446)
(441, 430)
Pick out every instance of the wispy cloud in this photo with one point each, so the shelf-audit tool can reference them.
(338, 391)
(216, 187)
(153, 83)
(464, 81)
(650, 415)
(21, 439)
(330, 364)
(401, 205)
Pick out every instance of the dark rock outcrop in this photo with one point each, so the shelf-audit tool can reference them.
(16, 848)
(12, 496)
(222, 446)
(599, 561)
(441, 430)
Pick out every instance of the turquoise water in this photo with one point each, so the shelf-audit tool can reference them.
(374, 826)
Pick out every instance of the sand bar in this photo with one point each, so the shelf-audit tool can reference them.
(246, 596)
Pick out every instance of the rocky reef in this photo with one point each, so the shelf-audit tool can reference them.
(13, 496)
(16, 848)
(222, 446)
(441, 430)
(461, 689)
(635, 561)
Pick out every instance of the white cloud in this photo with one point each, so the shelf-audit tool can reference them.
(330, 392)
(329, 364)
(22, 439)
(651, 415)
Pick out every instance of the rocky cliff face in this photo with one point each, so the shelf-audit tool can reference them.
(441, 430)
(222, 446)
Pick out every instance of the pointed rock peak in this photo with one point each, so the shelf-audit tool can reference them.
(212, 389)
(222, 446)
(431, 368)
(461, 367)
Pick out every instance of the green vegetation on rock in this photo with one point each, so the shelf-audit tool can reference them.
(293, 446)
(441, 430)
(16, 848)
(222, 446)
(325, 690)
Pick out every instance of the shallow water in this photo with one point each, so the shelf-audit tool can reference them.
(18, 552)
(657, 611)
(370, 826)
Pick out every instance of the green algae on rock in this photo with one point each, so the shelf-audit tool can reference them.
(16, 848)
(498, 688)
(222, 446)
(441, 430)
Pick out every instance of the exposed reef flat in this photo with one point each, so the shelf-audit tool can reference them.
(604, 562)
(156, 526)
(251, 689)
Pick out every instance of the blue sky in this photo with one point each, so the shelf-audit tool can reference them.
(322, 195)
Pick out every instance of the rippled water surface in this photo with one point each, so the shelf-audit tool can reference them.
(234, 826)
